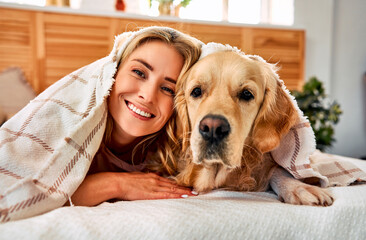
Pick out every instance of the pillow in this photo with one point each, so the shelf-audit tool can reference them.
(15, 91)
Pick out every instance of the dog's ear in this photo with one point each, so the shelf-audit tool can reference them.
(275, 118)
(182, 121)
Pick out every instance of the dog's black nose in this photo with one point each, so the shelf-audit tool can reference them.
(214, 128)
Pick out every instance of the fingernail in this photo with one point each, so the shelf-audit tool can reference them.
(194, 193)
(184, 196)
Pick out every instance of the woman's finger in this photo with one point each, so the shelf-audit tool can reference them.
(168, 185)
(167, 195)
(172, 189)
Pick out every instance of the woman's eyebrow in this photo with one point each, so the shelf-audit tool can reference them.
(152, 69)
(144, 63)
(170, 80)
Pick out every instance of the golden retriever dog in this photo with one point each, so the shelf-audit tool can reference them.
(233, 111)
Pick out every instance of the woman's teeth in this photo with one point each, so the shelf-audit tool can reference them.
(138, 111)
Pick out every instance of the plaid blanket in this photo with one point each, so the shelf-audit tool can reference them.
(46, 149)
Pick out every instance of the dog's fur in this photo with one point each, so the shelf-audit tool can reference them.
(242, 99)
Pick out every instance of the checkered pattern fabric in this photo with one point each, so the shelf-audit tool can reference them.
(47, 147)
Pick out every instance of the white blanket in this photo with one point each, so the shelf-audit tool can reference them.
(216, 215)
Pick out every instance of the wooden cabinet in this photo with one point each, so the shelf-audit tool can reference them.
(71, 42)
(48, 45)
(282, 47)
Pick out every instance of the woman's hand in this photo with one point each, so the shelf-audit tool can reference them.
(101, 187)
(137, 186)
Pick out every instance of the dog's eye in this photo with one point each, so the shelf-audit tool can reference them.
(246, 95)
(196, 92)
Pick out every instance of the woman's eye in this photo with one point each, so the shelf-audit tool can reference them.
(246, 95)
(196, 92)
(169, 90)
(139, 73)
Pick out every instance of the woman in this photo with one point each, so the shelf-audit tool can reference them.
(140, 106)
(84, 140)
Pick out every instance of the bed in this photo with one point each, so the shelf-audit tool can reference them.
(216, 215)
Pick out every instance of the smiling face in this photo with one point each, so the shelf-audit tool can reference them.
(141, 100)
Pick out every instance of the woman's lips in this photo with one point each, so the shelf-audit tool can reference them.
(139, 112)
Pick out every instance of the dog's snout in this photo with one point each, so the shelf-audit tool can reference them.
(214, 128)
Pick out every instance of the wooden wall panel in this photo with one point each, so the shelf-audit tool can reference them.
(72, 42)
(48, 46)
(281, 47)
(213, 33)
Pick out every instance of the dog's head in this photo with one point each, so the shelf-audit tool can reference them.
(228, 102)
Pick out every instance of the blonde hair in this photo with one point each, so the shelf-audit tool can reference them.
(164, 143)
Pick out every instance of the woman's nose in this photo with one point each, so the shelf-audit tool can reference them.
(148, 92)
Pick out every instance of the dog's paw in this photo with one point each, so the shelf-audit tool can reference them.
(304, 194)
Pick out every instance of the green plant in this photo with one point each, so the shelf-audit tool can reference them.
(322, 114)
(183, 3)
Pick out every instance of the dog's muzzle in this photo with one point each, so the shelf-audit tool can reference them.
(214, 129)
